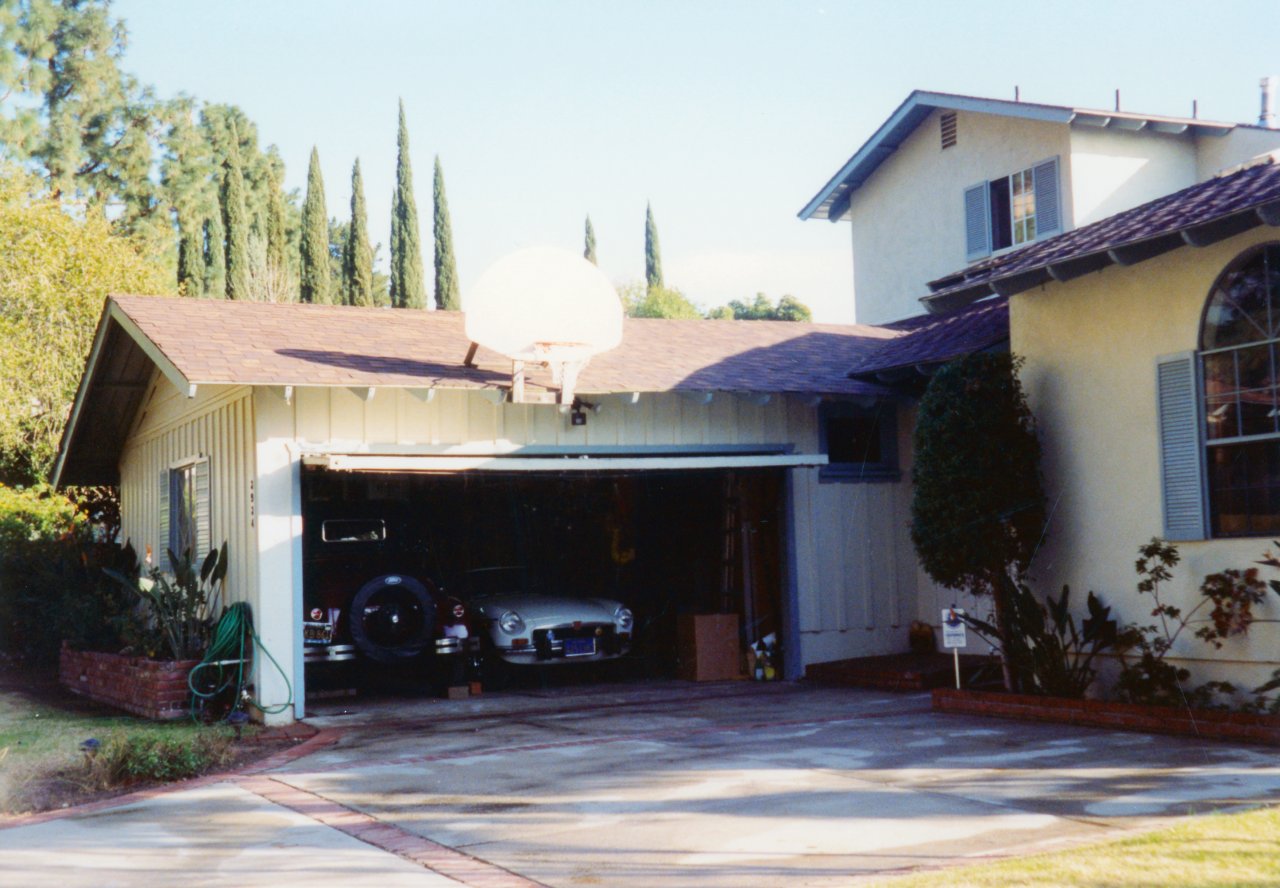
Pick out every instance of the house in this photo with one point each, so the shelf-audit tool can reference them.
(1138, 265)
(704, 467)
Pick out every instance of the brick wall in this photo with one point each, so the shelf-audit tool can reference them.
(154, 689)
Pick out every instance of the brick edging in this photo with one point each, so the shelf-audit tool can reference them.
(1214, 724)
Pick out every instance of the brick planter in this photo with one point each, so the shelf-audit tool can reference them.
(151, 688)
(1119, 716)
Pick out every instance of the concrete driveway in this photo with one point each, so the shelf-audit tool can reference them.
(655, 784)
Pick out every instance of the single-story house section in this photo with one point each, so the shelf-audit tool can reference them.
(706, 466)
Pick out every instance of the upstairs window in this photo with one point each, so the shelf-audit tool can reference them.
(1012, 210)
(861, 443)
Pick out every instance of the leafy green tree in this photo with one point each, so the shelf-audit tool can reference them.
(640, 301)
(408, 285)
(762, 309)
(277, 239)
(215, 257)
(55, 273)
(357, 255)
(446, 282)
(191, 261)
(589, 243)
(314, 250)
(977, 513)
(235, 221)
(652, 254)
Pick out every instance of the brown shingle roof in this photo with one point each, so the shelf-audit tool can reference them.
(213, 342)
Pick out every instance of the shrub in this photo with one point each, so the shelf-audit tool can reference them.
(159, 755)
(180, 607)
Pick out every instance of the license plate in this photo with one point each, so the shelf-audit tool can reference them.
(579, 647)
(317, 633)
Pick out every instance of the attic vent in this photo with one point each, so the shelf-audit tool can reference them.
(948, 122)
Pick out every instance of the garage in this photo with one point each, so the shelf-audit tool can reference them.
(685, 535)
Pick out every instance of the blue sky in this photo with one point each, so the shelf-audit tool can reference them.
(727, 116)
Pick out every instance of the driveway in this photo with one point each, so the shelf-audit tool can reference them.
(657, 784)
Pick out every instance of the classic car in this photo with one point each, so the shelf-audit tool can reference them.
(525, 627)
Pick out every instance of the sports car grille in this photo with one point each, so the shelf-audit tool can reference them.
(550, 643)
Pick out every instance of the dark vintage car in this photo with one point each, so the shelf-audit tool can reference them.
(369, 595)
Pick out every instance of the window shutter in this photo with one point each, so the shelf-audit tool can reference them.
(203, 525)
(1181, 464)
(1048, 205)
(977, 222)
(162, 549)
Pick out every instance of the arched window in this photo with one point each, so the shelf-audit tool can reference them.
(1239, 339)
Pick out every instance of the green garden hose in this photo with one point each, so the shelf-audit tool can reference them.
(226, 654)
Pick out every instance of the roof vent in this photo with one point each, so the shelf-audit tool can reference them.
(1268, 116)
(948, 124)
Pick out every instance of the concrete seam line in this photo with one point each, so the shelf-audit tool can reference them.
(441, 859)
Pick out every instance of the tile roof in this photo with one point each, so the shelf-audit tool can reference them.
(243, 343)
(933, 339)
(1200, 215)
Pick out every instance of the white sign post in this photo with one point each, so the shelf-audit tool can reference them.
(953, 635)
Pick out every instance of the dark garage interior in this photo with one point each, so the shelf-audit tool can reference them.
(665, 543)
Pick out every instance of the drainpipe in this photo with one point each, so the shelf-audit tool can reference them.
(1268, 116)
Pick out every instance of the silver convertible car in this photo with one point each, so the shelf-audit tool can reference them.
(530, 628)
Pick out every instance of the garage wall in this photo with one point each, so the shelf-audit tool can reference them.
(216, 425)
(856, 575)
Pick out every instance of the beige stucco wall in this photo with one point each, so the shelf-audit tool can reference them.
(1216, 153)
(907, 220)
(1113, 170)
(1090, 347)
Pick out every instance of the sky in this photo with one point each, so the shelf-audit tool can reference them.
(726, 117)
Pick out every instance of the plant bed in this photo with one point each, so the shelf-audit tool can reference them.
(155, 689)
(1211, 723)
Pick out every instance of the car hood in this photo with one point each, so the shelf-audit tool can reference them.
(547, 609)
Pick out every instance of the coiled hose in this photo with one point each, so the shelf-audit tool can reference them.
(226, 654)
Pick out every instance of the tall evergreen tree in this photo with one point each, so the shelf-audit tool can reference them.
(408, 286)
(589, 245)
(191, 259)
(357, 255)
(276, 234)
(447, 297)
(235, 221)
(215, 257)
(314, 249)
(652, 255)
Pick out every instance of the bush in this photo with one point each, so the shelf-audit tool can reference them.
(157, 756)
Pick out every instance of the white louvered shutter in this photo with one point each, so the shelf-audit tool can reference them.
(202, 517)
(1181, 462)
(977, 222)
(160, 553)
(1048, 202)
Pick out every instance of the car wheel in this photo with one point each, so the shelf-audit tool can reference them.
(392, 618)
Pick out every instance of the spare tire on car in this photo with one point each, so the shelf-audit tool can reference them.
(392, 618)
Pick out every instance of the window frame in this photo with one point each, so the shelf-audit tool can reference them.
(192, 474)
(884, 414)
(1008, 209)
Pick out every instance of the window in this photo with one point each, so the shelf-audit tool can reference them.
(1012, 210)
(184, 512)
(1241, 414)
(861, 443)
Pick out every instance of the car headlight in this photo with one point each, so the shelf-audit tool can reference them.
(511, 623)
(624, 619)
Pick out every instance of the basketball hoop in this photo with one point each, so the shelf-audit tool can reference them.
(548, 307)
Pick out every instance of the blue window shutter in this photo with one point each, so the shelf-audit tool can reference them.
(203, 525)
(1048, 202)
(977, 222)
(1181, 452)
(161, 551)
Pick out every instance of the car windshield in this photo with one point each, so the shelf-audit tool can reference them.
(484, 581)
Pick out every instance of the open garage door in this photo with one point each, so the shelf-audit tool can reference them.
(668, 540)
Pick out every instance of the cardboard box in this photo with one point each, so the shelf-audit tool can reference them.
(707, 645)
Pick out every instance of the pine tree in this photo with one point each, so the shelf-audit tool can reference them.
(589, 247)
(215, 257)
(408, 288)
(652, 256)
(191, 259)
(276, 235)
(357, 255)
(235, 221)
(314, 252)
(447, 297)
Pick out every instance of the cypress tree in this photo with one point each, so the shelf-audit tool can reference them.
(191, 259)
(652, 256)
(315, 237)
(215, 258)
(235, 221)
(589, 247)
(447, 297)
(357, 255)
(276, 236)
(408, 288)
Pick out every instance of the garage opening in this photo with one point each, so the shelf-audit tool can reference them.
(664, 544)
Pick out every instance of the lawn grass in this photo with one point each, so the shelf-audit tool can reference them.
(1213, 851)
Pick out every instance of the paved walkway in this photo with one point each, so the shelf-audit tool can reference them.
(668, 784)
